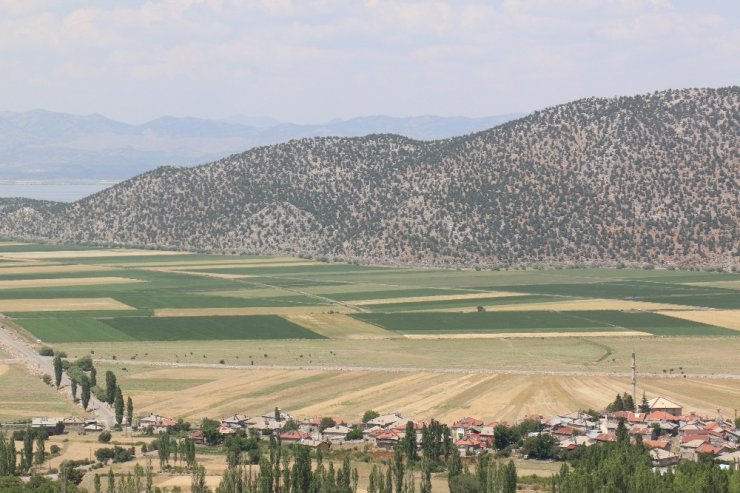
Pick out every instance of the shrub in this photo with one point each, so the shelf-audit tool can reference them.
(46, 351)
(104, 437)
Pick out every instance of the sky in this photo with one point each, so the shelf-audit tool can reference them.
(310, 61)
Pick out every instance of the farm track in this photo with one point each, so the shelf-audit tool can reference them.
(401, 369)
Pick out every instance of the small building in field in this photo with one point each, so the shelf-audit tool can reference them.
(336, 433)
(158, 424)
(51, 425)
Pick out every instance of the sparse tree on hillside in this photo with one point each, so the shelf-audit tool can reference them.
(58, 370)
(110, 386)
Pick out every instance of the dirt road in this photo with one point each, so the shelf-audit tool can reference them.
(39, 365)
(403, 369)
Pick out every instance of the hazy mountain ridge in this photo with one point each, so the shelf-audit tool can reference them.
(649, 178)
(41, 144)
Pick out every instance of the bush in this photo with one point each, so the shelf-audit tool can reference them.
(46, 351)
(104, 437)
(46, 379)
(54, 449)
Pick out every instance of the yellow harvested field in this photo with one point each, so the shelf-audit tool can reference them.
(423, 395)
(340, 326)
(62, 254)
(51, 269)
(723, 318)
(72, 281)
(441, 297)
(573, 305)
(717, 284)
(255, 310)
(519, 335)
(62, 305)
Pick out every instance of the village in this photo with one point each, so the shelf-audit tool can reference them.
(671, 434)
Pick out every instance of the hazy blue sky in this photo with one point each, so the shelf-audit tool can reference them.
(315, 60)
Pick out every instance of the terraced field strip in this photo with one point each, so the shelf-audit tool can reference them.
(576, 305)
(252, 310)
(202, 274)
(722, 318)
(441, 297)
(51, 269)
(340, 326)
(62, 281)
(512, 335)
(71, 254)
(61, 305)
(733, 284)
(213, 261)
(256, 265)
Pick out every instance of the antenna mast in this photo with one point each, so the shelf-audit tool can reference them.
(634, 379)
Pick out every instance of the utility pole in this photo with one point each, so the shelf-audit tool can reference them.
(634, 379)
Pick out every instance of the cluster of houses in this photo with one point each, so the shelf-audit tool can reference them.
(670, 434)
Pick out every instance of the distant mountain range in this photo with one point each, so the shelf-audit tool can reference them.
(43, 145)
(644, 179)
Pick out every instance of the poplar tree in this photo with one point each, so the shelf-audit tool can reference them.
(110, 386)
(58, 370)
(85, 394)
(27, 457)
(129, 411)
(118, 405)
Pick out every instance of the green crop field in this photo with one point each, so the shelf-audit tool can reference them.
(540, 321)
(284, 299)
(165, 329)
(211, 328)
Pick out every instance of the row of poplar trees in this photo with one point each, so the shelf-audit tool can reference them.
(10, 465)
(82, 373)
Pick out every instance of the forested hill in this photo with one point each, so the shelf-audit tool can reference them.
(650, 178)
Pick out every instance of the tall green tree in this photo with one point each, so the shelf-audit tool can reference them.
(93, 377)
(58, 370)
(409, 442)
(129, 411)
(27, 454)
(40, 456)
(398, 469)
(110, 386)
(74, 389)
(118, 405)
(85, 394)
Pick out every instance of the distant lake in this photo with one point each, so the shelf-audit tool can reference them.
(60, 192)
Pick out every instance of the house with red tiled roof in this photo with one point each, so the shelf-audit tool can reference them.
(387, 439)
(158, 424)
(606, 437)
(564, 431)
(706, 448)
(469, 445)
(461, 427)
(644, 432)
(661, 444)
(294, 436)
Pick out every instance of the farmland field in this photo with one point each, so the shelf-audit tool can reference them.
(344, 325)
